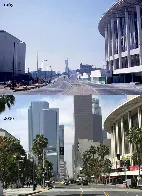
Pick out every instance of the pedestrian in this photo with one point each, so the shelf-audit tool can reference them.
(27, 184)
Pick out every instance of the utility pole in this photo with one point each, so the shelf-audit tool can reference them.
(33, 174)
(37, 66)
(43, 168)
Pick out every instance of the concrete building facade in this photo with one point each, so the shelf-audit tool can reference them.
(4, 133)
(117, 123)
(121, 27)
(11, 47)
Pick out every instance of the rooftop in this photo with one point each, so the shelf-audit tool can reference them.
(117, 10)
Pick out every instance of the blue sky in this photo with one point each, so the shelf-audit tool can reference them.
(58, 29)
(19, 126)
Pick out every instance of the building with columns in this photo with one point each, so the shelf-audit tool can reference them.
(121, 119)
(121, 26)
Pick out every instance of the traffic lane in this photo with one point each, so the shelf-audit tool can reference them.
(118, 92)
(113, 193)
(73, 193)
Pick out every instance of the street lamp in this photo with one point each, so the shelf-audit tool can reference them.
(51, 72)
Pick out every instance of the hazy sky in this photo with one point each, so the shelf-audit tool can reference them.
(19, 126)
(58, 29)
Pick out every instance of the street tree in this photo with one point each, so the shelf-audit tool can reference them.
(95, 162)
(10, 151)
(134, 136)
(39, 144)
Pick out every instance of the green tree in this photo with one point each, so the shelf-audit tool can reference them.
(95, 162)
(6, 101)
(10, 151)
(39, 144)
(102, 152)
(134, 136)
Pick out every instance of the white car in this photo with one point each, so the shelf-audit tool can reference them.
(1, 189)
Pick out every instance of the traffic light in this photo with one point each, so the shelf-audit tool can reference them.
(61, 150)
(78, 146)
(118, 156)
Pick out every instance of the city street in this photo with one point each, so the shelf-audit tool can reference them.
(70, 86)
(94, 190)
(79, 190)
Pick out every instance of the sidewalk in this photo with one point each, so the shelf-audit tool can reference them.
(22, 191)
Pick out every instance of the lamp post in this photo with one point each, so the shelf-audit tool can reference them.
(43, 165)
(51, 72)
(32, 159)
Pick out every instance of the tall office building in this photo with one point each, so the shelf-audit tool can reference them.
(67, 66)
(34, 119)
(48, 127)
(45, 120)
(87, 122)
(97, 121)
(83, 121)
(11, 48)
(61, 157)
(61, 139)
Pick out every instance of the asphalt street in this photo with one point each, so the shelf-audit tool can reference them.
(71, 86)
(95, 190)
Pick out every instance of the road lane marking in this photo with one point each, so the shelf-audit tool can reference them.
(106, 194)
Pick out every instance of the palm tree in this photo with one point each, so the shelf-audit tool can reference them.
(39, 144)
(134, 136)
(6, 101)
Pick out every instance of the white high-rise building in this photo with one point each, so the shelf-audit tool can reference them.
(67, 66)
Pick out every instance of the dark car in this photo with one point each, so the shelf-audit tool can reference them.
(67, 182)
(78, 182)
(85, 182)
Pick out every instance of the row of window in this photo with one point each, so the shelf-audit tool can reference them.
(135, 61)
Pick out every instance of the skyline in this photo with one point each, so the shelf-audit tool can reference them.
(58, 30)
(19, 126)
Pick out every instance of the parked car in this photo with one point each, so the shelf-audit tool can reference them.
(66, 182)
(1, 189)
(85, 182)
